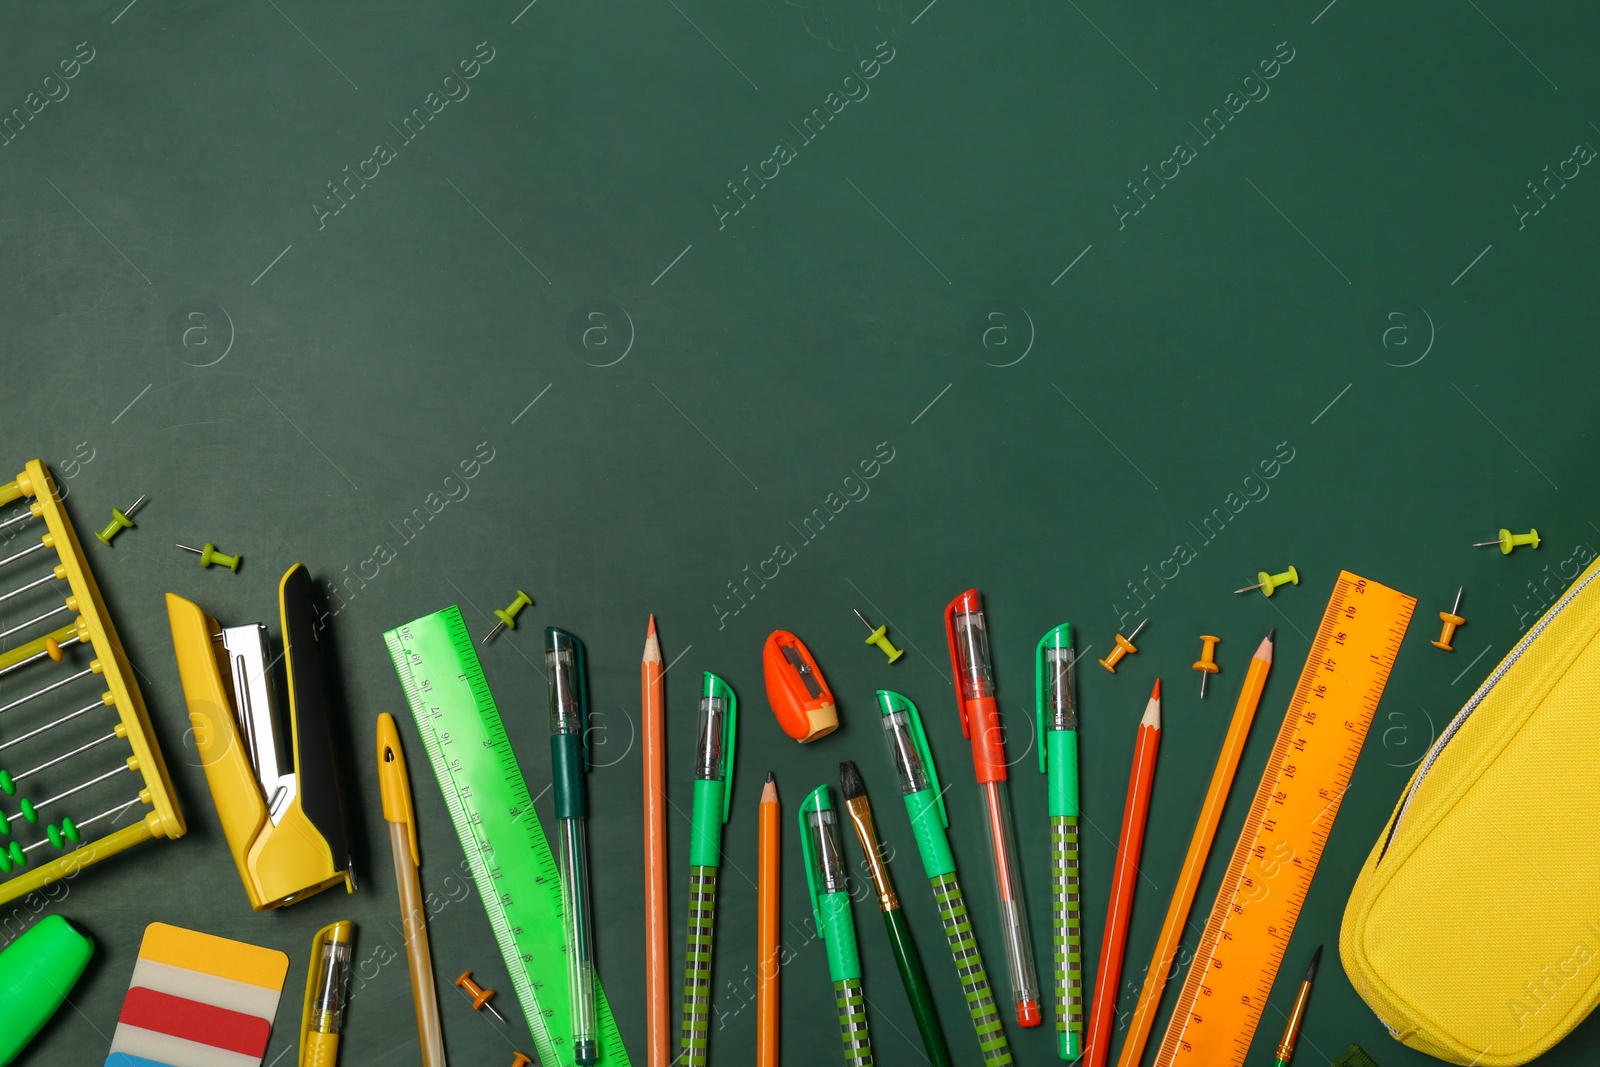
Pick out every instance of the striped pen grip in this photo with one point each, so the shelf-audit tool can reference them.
(697, 966)
(852, 1002)
(1067, 912)
(969, 965)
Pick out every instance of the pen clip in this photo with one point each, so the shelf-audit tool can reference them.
(718, 689)
(336, 931)
(920, 740)
(811, 803)
(955, 659)
(580, 668)
(1056, 637)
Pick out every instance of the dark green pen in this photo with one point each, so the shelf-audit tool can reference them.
(569, 761)
(906, 957)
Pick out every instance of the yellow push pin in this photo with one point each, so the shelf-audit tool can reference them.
(508, 617)
(1124, 646)
(210, 555)
(1507, 541)
(880, 638)
(1451, 620)
(122, 520)
(1268, 582)
(1207, 663)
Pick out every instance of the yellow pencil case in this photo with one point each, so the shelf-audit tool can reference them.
(1473, 930)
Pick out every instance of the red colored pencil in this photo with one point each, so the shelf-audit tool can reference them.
(1097, 1047)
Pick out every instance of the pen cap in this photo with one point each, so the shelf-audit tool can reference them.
(719, 724)
(37, 971)
(569, 697)
(394, 785)
(968, 635)
(1053, 670)
(908, 746)
(819, 847)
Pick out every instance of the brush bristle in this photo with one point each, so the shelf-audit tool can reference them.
(850, 783)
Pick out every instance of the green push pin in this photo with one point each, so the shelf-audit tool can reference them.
(508, 617)
(1268, 582)
(880, 637)
(1508, 540)
(67, 833)
(120, 520)
(210, 555)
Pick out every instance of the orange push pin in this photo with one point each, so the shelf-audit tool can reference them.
(1451, 620)
(1124, 646)
(480, 996)
(1207, 663)
(520, 1061)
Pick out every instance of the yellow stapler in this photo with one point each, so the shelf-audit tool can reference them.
(276, 788)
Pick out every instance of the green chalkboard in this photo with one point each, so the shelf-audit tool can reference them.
(751, 314)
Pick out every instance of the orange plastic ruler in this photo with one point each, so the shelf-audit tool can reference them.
(1226, 988)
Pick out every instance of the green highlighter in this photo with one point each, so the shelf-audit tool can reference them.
(830, 905)
(37, 971)
(1056, 719)
(919, 785)
(713, 770)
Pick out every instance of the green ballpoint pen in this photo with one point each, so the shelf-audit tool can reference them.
(713, 771)
(906, 958)
(569, 762)
(830, 906)
(1056, 720)
(924, 799)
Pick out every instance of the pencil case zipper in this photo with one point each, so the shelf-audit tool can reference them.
(1478, 697)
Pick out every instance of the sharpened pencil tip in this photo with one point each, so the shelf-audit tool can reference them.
(1272, 634)
(771, 777)
(1155, 693)
(1316, 958)
(652, 628)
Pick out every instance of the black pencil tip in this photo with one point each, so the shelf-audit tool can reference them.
(1272, 634)
(1316, 958)
(771, 777)
(850, 783)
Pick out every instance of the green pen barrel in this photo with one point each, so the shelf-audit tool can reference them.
(971, 970)
(852, 1003)
(37, 971)
(697, 964)
(909, 961)
(1067, 919)
(933, 845)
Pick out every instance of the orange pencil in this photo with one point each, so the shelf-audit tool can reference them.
(652, 694)
(1097, 1047)
(1205, 831)
(769, 882)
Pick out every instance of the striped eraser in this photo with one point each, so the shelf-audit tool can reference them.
(198, 1001)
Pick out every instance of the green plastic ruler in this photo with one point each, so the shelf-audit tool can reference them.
(1354, 1057)
(494, 817)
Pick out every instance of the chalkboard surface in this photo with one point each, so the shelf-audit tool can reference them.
(751, 314)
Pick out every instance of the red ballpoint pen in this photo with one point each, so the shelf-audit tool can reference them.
(980, 722)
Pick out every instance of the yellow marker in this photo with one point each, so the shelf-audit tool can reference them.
(1207, 663)
(1507, 541)
(1451, 620)
(210, 555)
(880, 638)
(1124, 646)
(327, 988)
(122, 520)
(1268, 582)
(508, 617)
